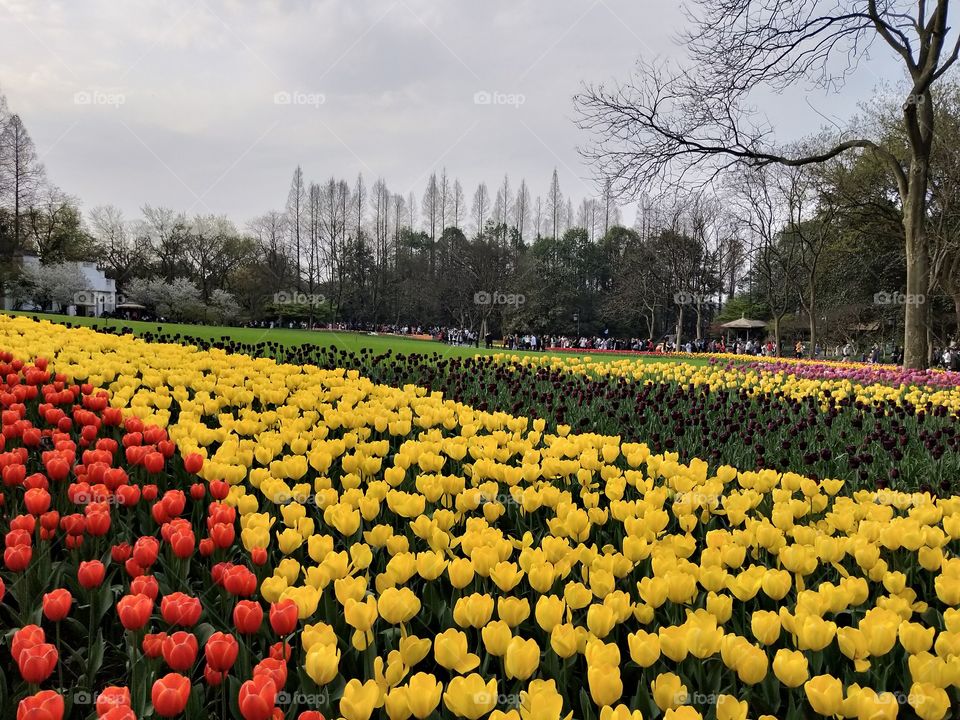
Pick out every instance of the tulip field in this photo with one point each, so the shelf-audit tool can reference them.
(196, 533)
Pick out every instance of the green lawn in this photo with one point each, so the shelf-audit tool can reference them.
(342, 340)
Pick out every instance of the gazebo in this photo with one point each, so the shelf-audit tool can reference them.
(744, 323)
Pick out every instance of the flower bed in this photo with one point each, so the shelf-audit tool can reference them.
(281, 540)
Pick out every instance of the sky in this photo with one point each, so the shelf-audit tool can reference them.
(207, 106)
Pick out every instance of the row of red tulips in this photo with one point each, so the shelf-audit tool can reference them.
(105, 505)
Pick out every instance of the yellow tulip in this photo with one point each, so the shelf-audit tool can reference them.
(825, 694)
(929, 701)
(563, 640)
(496, 637)
(605, 684)
(729, 708)
(360, 700)
(549, 611)
(423, 695)
(790, 667)
(398, 605)
(470, 697)
(521, 659)
(668, 691)
(450, 651)
(322, 663)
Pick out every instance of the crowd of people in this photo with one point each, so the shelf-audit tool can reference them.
(947, 357)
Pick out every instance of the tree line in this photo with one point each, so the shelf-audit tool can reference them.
(811, 248)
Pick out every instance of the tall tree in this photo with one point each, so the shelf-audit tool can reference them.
(555, 205)
(521, 209)
(115, 245)
(665, 121)
(481, 207)
(23, 171)
(297, 207)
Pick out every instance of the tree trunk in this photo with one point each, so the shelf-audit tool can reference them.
(776, 333)
(679, 328)
(917, 309)
(956, 315)
(812, 311)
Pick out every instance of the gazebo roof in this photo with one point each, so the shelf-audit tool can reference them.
(744, 324)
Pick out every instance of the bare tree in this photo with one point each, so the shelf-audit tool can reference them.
(115, 244)
(667, 120)
(481, 206)
(297, 203)
(763, 206)
(457, 203)
(164, 231)
(23, 172)
(555, 207)
(521, 209)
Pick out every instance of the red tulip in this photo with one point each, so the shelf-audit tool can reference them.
(180, 609)
(240, 581)
(134, 611)
(197, 491)
(257, 698)
(221, 651)
(37, 662)
(170, 694)
(45, 705)
(281, 651)
(258, 555)
(219, 489)
(153, 462)
(283, 616)
(98, 523)
(223, 535)
(247, 617)
(121, 553)
(212, 677)
(111, 697)
(118, 713)
(193, 462)
(17, 558)
(206, 547)
(180, 650)
(145, 585)
(56, 604)
(311, 715)
(127, 495)
(26, 637)
(37, 501)
(145, 550)
(153, 644)
(90, 574)
(149, 492)
(3, 589)
(183, 543)
(274, 669)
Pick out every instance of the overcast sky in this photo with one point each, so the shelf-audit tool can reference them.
(208, 105)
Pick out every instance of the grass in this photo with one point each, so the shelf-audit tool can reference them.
(352, 341)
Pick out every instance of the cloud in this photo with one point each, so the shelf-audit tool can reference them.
(398, 80)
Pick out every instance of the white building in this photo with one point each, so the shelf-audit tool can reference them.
(94, 293)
